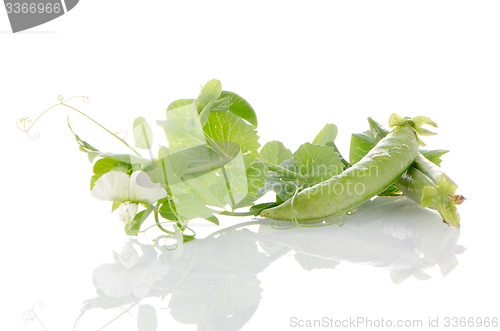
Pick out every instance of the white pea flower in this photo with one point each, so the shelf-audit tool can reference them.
(118, 187)
(127, 211)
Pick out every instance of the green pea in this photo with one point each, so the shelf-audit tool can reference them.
(381, 167)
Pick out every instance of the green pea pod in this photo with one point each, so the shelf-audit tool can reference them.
(425, 183)
(381, 167)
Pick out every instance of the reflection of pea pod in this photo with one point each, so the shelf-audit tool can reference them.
(30, 13)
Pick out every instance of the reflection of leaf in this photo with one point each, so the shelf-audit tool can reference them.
(225, 126)
(274, 152)
(143, 135)
(220, 293)
(146, 318)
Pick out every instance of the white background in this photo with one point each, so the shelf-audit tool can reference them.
(300, 64)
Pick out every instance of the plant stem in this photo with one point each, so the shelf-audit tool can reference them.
(102, 127)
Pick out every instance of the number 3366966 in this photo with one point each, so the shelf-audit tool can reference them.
(33, 8)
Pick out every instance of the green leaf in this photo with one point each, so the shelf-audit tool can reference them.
(85, 147)
(391, 191)
(327, 135)
(210, 92)
(133, 227)
(143, 135)
(434, 155)
(224, 126)
(179, 103)
(418, 121)
(163, 152)
(105, 165)
(213, 220)
(183, 128)
(377, 130)
(256, 209)
(256, 179)
(168, 211)
(205, 113)
(115, 206)
(397, 120)
(240, 107)
(317, 162)
(274, 152)
(256, 175)
(284, 186)
(222, 104)
(221, 187)
(361, 144)
(189, 207)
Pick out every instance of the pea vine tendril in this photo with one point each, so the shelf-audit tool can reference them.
(25, 124)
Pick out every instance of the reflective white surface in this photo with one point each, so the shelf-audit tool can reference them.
(215, 283)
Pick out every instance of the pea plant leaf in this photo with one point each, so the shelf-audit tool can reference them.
(225, 126)
(240, 107)
(179, 103)
(326, 136)
(183, 128)
(361, 144)
(132, 228)
(256, 179)
(317, 163)
(105, 165)
(274, 152)
(209, 93)
(391, 191)
(143, 135)
(434, 155)
(283, 183)
(187, 207)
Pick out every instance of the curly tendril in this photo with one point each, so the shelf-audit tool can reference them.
(25, 124)
(21, 125)
(31, 316)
